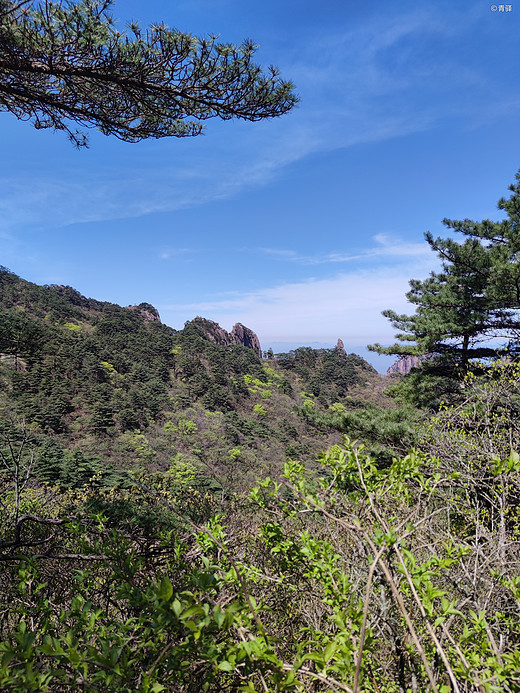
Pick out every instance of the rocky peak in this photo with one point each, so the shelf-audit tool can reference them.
(340, 346)
(240, 334)
(146, 311)
(211, 330)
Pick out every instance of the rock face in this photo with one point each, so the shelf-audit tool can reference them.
(340, 346)
(146, 311)
(243, 335)
(238, 335)
(14, 362)
(404, 364)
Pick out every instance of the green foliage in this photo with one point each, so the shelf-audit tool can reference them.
(259, 410)
(385, 432)
(477, 439)
(182, 470)
(327, 374)
(72, 327)
(354, 579)
(20, 335)
(399, 610)
(112, 372)
(424, 387)
(67, 56)
(483, 424)
(462, 310)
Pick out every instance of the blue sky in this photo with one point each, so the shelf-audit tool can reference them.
(303, 228)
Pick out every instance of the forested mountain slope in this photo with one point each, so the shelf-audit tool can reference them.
(100, 387)
(132, 560)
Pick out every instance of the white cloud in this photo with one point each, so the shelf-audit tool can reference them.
(386, 245)
(168, 253)
(350, 95)
(347, 305)
(115, 193)
(359, 85)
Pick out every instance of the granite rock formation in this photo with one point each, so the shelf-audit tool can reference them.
(243, 335)
(404, 364)
(240, 334)
(146, 311)
(340, 346)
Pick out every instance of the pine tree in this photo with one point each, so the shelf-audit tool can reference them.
(469, 310)
(64, 62)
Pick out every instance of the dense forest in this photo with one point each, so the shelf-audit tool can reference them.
(100, 389)
(186, 514)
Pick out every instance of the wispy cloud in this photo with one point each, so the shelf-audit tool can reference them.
(348, 305)
(386, 246)
(358, 85)
(114, 193)
(168, 253)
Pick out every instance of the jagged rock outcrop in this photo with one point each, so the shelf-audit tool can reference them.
(147, 312)
(243, 335)
(211, 330)
(340, 346)
(404, 364)
(240, 334)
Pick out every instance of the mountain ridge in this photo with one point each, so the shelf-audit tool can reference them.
(103, 387)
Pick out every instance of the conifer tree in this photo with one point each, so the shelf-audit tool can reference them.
(469, 309)
(64, 63)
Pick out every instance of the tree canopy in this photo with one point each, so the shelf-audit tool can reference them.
(64, 63)
(470, 308)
